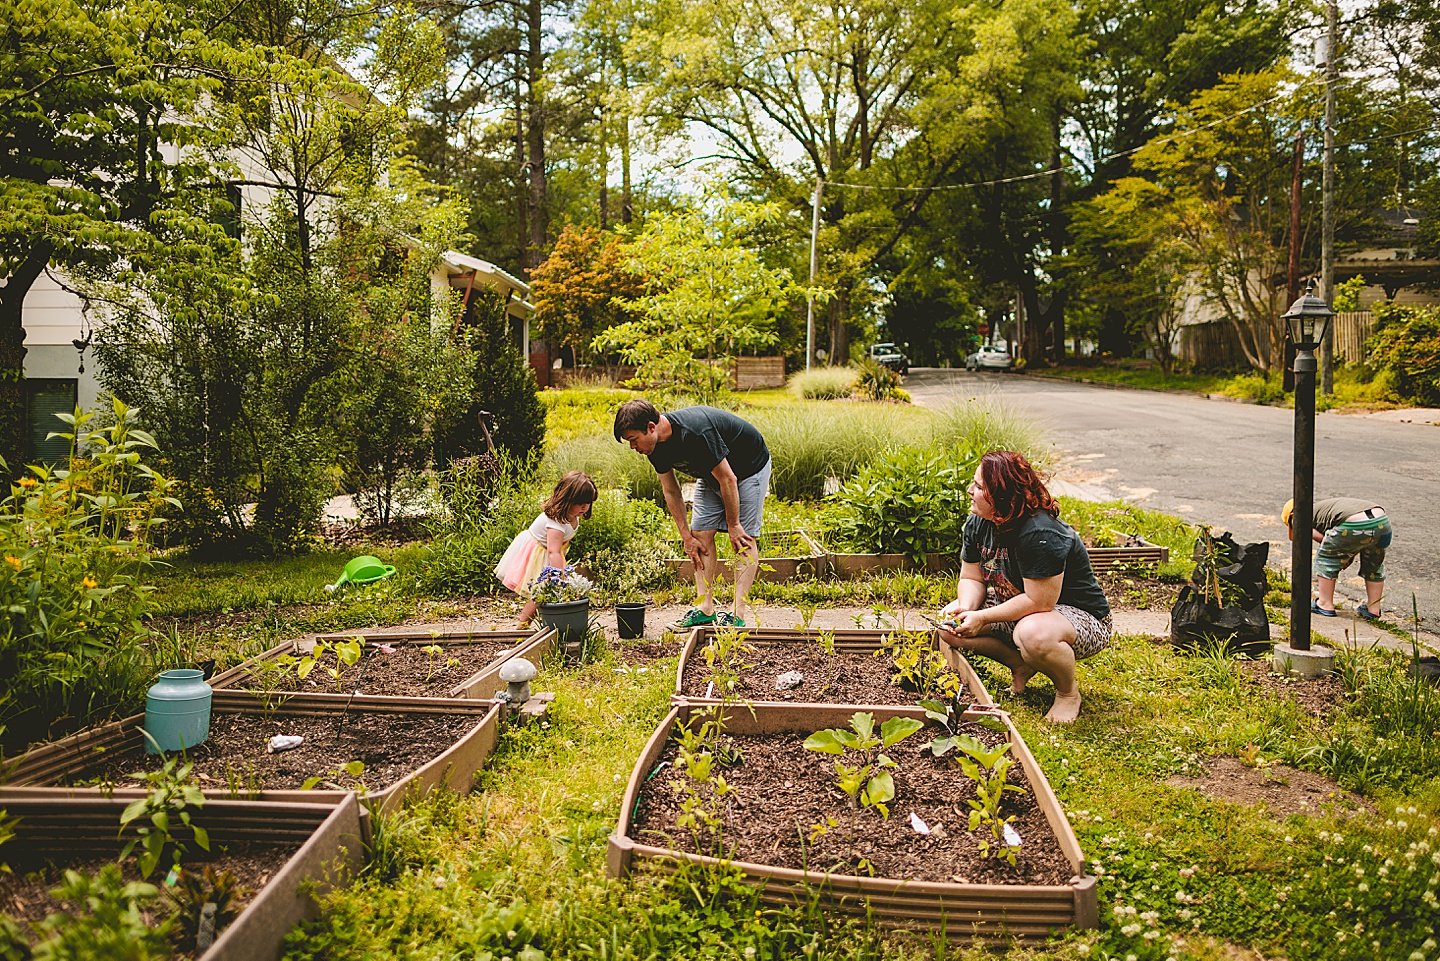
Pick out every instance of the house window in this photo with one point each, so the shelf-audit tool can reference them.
(46, 397)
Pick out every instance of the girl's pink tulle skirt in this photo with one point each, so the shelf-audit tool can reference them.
(522, 563)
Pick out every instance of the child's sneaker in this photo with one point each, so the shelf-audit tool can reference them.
(693, 618)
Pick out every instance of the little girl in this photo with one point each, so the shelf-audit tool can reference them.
(542, 544)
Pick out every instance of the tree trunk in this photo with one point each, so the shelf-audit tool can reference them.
(535, 136)
(1058, 241)
(604, 171)
(627, 204)
(14, 439)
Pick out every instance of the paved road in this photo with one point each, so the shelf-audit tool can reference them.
(1229, 465)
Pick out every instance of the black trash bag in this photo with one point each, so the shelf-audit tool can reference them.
(1196, 622)
(1240, 565)
(1225, 602)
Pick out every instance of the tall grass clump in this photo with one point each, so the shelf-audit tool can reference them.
(609, 463)
(823, 383)
(991, 423)
(810, 443)
(485, 510)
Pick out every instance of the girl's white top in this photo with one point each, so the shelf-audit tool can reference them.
(543, 525)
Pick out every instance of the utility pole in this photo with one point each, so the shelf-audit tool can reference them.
(810, 294)
(1327, 238)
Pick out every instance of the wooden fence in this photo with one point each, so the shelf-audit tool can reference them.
(1352, 329)
(1214, 346)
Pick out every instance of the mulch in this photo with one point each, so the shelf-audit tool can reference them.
(1318, 697)
(391, 746)
(407, 670)
(842, 678)
(782, 791)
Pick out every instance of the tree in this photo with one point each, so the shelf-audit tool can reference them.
(578, 289)
(90, 92)
(708, 295)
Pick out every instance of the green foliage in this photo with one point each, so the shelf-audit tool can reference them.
(908, 501)
(192, 891)
(809, 443)
(76, 542)
(708, 296)
(990, 423)
(725, 655)
(918, 665)
(875, 381)
(1406, 343)
(172, 795)
(471, 537)
(500, 382)
(608, 463)
(347, 653)
(987, 768)
(107, 923)
(1347, 294)
(623, 544)
(700, 752)
(823, 383)
(868, 781)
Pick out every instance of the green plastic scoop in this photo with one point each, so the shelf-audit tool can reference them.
(361, 570)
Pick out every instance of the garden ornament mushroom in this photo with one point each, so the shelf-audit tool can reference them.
(517, 674)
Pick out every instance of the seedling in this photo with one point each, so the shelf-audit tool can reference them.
(868, 783)
(701, 750)
(334, 779)
(195, 927)
(725, 656)
(347, 654)
(432, 654)
(918, 664)
(988, 769)
(807, 614)
(171, 797)
(827, 642)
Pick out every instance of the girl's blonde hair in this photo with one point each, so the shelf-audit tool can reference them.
(574, 488)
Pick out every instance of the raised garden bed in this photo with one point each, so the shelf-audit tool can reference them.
(395, 664)
(285, 853)
(788, 555)
(1133, 551)
(1138, 552)
(853, 675)
(782, 791)
(406, 744)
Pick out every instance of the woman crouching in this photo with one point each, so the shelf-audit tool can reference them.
(1026, 595)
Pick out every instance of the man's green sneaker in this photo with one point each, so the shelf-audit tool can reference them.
(726, 619)
(693, 618)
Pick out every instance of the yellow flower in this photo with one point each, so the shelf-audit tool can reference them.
(88, 582)
(27, 482)
(15, 561)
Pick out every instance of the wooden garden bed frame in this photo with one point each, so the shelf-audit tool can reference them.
(454, 768)
(533, 645)
(781, 569)
(846, 641)
(964, 910)
(329, 826)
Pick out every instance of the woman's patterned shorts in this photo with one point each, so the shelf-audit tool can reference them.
(1092, 634)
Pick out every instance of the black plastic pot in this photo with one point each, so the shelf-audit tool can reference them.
(571, 619)
(630, 619)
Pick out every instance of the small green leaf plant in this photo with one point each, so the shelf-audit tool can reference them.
(988, 768)
(725, 657)
(195, 889)
(335, 779)
(703, 751)
(826, 640)
(166, 807)
(432, 656)
(108, 921)
(917, 664)
(347, 654)
(868, 782)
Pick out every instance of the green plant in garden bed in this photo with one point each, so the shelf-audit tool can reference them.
(987, 768)
(172, 795)
(918, 664)
(908, 501)
(867, 782)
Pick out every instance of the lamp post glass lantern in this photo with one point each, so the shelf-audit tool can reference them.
(1306, 320)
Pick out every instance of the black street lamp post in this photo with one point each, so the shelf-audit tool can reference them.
(1307, 319)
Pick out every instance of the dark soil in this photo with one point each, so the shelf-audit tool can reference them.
(782, 791)
(25, 893)
(391, 746)
(1279, 789)
(843, 678)
(404, 670)
(1319, 697)
(1127, 591)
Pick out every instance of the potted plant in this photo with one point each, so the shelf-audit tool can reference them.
(564, 600)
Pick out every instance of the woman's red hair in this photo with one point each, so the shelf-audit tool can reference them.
(1016, 489)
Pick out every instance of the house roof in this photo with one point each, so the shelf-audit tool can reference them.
(461, 267)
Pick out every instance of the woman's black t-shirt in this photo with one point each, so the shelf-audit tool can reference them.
(1036, 547)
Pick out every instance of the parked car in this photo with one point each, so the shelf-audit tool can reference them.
(890, 356)
(992, 358)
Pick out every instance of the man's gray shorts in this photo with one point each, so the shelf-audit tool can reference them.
(708, 512)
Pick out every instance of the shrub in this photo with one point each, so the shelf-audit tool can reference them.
(875, 381)
(909, 501)
(1406, 343)
(501, 383)
(823, 383)
(75, 544)
(484, 514)
(811, 443)
(989, 423)
(623, 544)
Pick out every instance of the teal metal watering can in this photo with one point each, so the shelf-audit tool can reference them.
(361, 570)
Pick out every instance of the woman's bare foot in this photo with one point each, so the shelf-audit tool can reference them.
(1019, 677)
(1065, 709)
